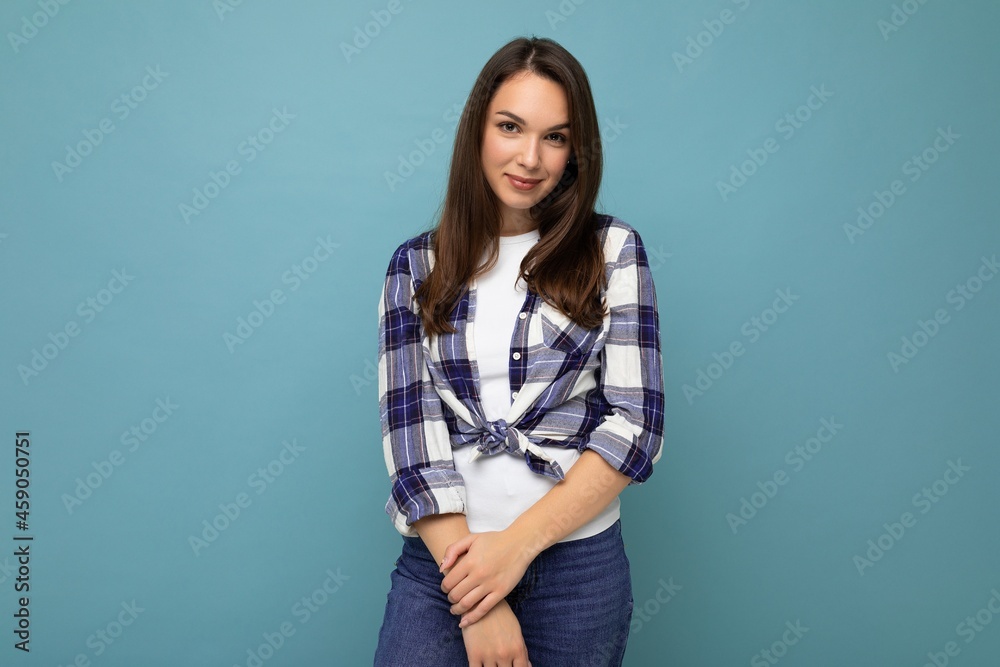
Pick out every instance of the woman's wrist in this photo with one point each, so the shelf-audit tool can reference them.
(440, 530)
(591, 484)
(500, 608)
(528, 539)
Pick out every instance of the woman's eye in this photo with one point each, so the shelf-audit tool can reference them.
(505, 126)
(558, 138)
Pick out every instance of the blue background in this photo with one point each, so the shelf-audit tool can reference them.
(674, 131)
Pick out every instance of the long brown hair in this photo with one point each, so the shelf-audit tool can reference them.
(566, 266)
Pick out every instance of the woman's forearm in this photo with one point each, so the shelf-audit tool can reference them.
(589, 486)
(500, 558)
(439, 530)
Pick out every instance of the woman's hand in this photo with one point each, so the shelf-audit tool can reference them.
(492, 564)
(496, 639)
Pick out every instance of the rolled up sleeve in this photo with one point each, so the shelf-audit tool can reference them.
(630, 434)
(415, 438)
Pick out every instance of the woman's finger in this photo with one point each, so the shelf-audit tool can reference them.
(480, 610)
(454, 550)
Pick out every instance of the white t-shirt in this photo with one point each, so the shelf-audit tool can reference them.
(500, 487)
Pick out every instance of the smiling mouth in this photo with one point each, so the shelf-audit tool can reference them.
(522, 183)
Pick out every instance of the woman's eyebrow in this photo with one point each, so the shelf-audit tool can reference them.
(520, 120)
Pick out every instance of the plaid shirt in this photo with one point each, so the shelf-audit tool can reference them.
(599, 389)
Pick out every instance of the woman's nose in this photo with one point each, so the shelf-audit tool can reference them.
(529, 154)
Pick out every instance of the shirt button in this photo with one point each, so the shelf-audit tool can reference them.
(523, 315)
(517, 355)
(514, 395)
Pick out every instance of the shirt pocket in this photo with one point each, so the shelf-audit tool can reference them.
(561, 333)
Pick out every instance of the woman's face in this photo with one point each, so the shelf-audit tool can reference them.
(526, 145)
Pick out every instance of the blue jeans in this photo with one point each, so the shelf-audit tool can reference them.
(574, 605)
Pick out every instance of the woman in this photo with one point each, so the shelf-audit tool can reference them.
(520, 388)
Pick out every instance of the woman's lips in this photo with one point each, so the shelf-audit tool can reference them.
(523, 184)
